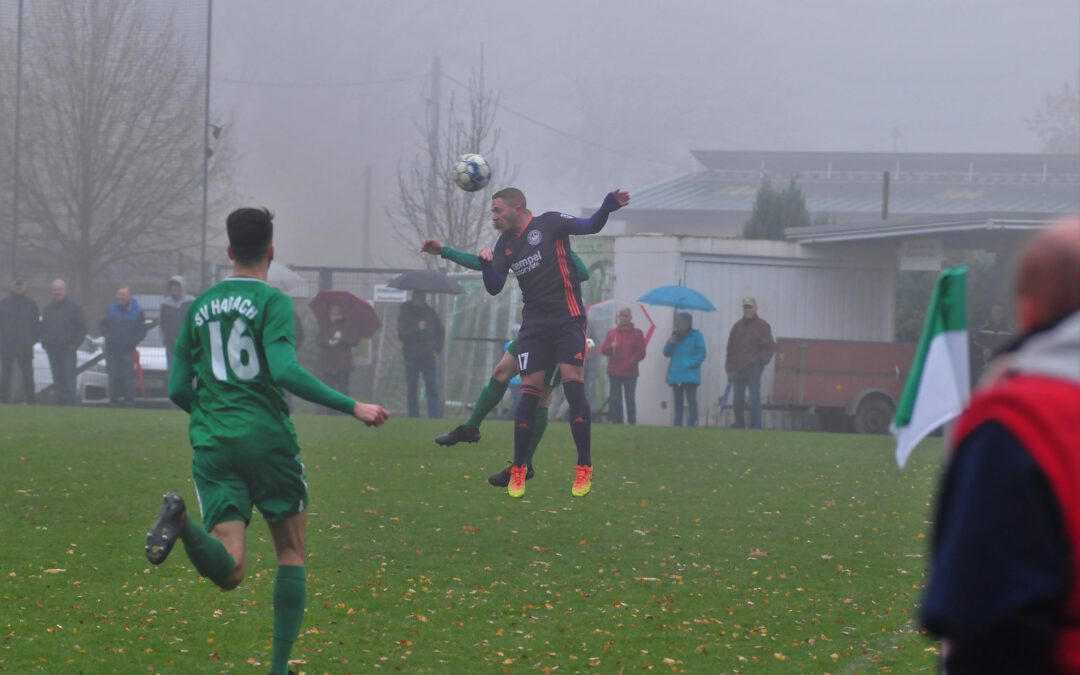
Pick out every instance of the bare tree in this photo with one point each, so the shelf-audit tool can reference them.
(430, 205)
(1057, 122)
(112, 137)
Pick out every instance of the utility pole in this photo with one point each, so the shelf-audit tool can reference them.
(204, 280)
(365, 235)
(434, 147)
(18, 144)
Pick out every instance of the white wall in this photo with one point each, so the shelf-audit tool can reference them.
(813, 292)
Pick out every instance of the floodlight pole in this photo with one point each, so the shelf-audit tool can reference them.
(203, 268)
(18, 145)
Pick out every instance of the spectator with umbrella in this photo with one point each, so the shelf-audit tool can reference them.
(422, 334)
(685, 347)
(343, 319)
(336, 340)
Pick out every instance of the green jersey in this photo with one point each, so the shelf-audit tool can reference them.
(238, 407)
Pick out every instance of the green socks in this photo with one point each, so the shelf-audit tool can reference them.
(489, 397)
(209, 556)
(290, 596)
(538, 432)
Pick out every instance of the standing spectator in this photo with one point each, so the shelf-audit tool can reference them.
(63, 328)
(124, 327)
(20, 326)
(421, 333)
(1003, 591)
(686, 349)
(750, 347)
(336, 340)
(174, 307)
(992, 337)
(625, 348)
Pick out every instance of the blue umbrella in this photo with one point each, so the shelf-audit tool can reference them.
(679, 297)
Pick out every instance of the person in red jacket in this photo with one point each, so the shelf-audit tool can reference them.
(625, 348)
(1004, 588)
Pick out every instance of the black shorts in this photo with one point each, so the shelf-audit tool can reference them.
(545, 343)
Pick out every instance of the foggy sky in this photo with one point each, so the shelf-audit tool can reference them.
(651, 79)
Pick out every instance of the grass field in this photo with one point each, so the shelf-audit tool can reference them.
(699, 550)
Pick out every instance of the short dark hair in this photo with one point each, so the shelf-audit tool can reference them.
(251, 231)
(512, 196)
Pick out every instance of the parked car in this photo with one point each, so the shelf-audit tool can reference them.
(152, 374)
(89, 349)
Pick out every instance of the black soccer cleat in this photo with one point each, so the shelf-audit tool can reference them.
(170, 523)
(502, 478)
(460, 434)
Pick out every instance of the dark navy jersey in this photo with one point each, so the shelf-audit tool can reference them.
(540, 259)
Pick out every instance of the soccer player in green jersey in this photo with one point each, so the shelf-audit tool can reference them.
(238, 347)
(505, 370)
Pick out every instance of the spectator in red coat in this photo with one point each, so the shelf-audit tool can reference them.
(625, 348)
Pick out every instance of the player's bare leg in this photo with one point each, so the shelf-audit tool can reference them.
(573, 377)
(232, 535)
(290, 587)
(217, 555)
(489, 397)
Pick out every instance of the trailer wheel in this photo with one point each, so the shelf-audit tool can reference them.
(874, 416)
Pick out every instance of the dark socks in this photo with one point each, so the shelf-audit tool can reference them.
(489, 397)
(539, 426)
(209, 556)
(524, 423)
(580, 420)
(290, 597)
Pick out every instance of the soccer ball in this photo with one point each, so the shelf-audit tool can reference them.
(471, 173)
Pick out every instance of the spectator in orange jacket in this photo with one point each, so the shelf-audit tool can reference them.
(625, 348)
(750, 347)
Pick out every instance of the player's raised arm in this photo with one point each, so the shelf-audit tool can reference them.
(467, 260)
(615, 200)
(289, 374)
(494, 279)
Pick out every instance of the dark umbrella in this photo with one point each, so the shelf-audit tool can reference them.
(359, 313)
(428, 281)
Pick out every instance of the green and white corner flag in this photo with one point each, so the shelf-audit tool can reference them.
(939, 383)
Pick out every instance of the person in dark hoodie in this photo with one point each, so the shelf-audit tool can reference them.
(174, 307)
(63, 328)
(421, 333)
(20, 327)
(1004, 583)
(123, 328)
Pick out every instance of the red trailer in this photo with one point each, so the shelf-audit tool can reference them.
(843, 382)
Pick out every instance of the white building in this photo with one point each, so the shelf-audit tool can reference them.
(843, 293)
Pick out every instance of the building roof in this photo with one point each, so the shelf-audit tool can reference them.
(851, 183)
(1000, 225)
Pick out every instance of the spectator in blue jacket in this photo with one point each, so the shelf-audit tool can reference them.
(686, 349)
(123, 327)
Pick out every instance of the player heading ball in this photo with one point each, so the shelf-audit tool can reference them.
(537, 250)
